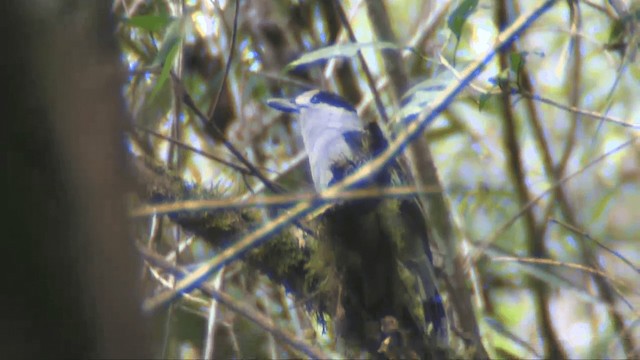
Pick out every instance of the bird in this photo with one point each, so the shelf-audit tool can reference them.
(377, 249)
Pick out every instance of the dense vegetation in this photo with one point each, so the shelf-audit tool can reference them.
(533, 202)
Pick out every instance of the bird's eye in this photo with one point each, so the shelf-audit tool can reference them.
(323, 97)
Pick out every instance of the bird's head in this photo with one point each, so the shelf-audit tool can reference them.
(331, 131)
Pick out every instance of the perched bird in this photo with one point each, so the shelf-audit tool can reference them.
(378, 249)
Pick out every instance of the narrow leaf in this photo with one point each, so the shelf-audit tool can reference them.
(166, 68)
(340, 50)
(483, 100)
(171, 43)
(173, 35)
(155, 23)
(460, 15)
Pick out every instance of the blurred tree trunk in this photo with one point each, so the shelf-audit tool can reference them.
(69, 279)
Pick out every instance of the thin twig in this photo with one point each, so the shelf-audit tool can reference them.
(483, 245)
(569, 265)
(274, 200)
(239, 307)
(551, 277)
(209, 121)
(209, 338)
(188, 100)
(227, 68)
(592, 114)
(599, 243)
(363, 63)
(194, 149)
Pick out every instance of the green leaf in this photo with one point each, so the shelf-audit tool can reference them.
(171, 43)
(616, 33)
(340, 50)
(601, 205)
(460, 15)
(172, 36)
(517, 61)
(155, 23)
(502, 79)
(483, 100)
(166, 68)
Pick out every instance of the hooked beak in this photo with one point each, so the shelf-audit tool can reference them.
(284, 105)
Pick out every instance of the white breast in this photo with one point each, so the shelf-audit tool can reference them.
(323, 139)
